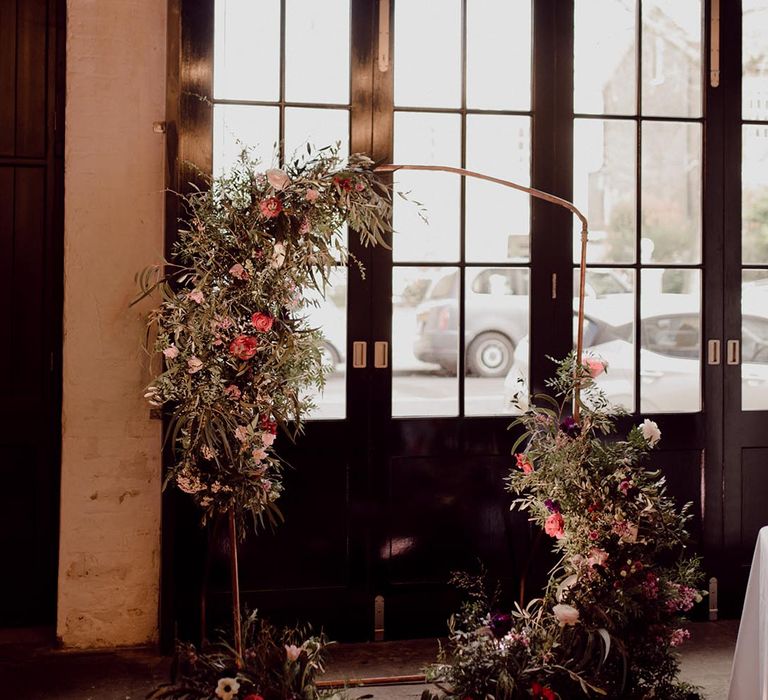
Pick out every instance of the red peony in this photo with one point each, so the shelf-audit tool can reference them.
(270, 207)
(244, 347)
(262, 322)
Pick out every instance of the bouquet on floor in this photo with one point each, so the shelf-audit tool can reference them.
(610, 617)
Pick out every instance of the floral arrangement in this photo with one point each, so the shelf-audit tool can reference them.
(240, 353)
(278, 665)
(610, 617)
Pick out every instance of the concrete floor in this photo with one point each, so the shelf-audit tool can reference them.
(32, 673)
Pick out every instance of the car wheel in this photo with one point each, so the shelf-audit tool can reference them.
(330, 354)
(490, 355)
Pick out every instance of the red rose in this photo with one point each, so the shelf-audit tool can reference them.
(268, 426)
(542, 692)
(244, 347)
(262, 322)
(270, 207)
(253, 696)
(343, 183)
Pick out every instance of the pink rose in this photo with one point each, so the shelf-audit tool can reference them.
(270, 207)
(197, 296)
(554, 526)
(171, 352)
(243, 347)
(359, 187)
(566, 614)
(311, 195)
(277, 178)
(239, 272)
(268, 439)
(233, 392)
(194, 364)
(262, 322)
(594, 366)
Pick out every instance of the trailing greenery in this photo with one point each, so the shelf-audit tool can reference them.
(240, 353)
(610, 617)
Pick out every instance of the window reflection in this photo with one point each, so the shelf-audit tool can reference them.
(754, 340)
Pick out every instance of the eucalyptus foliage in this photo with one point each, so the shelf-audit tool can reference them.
(240, 353)
(610, 616)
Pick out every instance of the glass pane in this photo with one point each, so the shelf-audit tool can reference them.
(495, 338)
(605, 61)
(604, 157)
(754, 204)
(671, 193)
(754, 85)
(427, 57)
(671, 64)
(236, 127)
(319, 127)
(497, 218)
(427, 139)
(246, 34)
(609, 330)
(425, 341)
(316, 51)
(499, 44)
(754, 340)
(670, 356)
(329, 314)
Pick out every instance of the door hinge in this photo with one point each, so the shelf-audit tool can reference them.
(378, 618)
(714, 44)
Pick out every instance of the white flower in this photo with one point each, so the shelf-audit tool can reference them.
(278, 256)
(292, 652)
(277, 178)
(194, 364)
(650, 431)
(566, 614)
(171, 352)
(227, 688)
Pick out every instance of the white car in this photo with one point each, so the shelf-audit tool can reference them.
(670, 358)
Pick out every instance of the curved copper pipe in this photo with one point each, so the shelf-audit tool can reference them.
(559, 201)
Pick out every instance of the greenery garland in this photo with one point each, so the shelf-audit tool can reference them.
(240, 352)
(610, 617)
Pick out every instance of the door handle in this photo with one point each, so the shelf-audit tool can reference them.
(733, 352)
(713, 352)
(381, 354)
(359, 354)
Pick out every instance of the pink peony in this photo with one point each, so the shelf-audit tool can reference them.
(311, 195)
(243, 347)
(277, 178)
(554, 526)
(171, 352)
(594, 366)
(239, 272)
(197, 296)
(566, 614)
(262, 322)
(270, 207)
(194, 364)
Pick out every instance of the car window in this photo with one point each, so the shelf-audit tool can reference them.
(443, 288)
(501, 281)
(754, 339)
(674, 336)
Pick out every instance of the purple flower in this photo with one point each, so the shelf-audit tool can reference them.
(552, 506)
(501, 624)
(570, 427)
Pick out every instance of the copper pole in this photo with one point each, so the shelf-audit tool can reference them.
(390, 168)
(237, 630)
